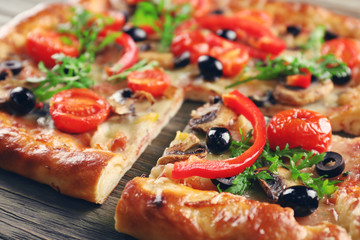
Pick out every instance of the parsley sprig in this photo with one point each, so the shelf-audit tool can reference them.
(171, 15)
(68, 73)
(298, 159)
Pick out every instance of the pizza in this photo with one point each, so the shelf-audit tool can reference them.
(86, 85)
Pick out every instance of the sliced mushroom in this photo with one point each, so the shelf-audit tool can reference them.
(300, 97)
(176, 156)
(212, 115)
(273, 187)
(179, 147)
(123, 103)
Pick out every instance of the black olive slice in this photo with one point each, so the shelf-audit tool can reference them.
(210, 68)
(332, 165)
(293, 30)
(223, 183)
(217, 12)
(330, 35)
(303, 200)
(183, 60)
(137, 34)
(216, 99)
(21, 100)
(3, 74)
(227, 34)
(14, 65)
(342, 78)
(218, 140)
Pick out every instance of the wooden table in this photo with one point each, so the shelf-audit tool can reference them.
(29, 210)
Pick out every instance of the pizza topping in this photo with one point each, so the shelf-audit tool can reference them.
(135, 33)
(223, 183)
(218, 140)
(227, 34)
(229, 167)
(67, 73)
(21, 100)
(293, 30)
(342, 78)
(303, 200)
(330, 35)
(331, 166)
(162, 19)
(175, 156)
(296, 96)
(78, 110)
(153, 81)
(13, 65)
(41, 46)
(348, 50)
(182, 60)
(312, 130)
(210, 68)
(211, 115)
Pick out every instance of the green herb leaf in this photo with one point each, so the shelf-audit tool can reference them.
(293, 159)
(316, 39)
(170, 15)
(139, 66)
(68, 73)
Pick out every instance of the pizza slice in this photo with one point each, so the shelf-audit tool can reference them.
(68, 117)
(282, 59)
(215, 181)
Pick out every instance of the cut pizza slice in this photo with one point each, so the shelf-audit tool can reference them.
(77, 107)
(290, 187)
(279, 58)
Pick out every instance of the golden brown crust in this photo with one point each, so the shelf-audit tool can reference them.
(56, 159)
(164, 210)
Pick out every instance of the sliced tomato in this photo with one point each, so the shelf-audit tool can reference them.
(299, 128)
(193, 41)
(41, 45)
(78, 110)
(153, 81)
(233, 60)
(348, 50)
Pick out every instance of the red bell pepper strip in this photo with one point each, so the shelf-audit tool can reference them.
(129, 57)
(253, 33)
(195, 166)
(300, 80)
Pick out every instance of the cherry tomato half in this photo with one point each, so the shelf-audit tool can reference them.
(347, 50)
(152, 81)
(78, 110)
(299, 128)
(41, 45)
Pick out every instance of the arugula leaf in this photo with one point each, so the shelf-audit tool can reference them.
(316, 39)
(298, 159)
(171, 15)
(71, 73)
(139, 66)
(279, 68)
(86, 26)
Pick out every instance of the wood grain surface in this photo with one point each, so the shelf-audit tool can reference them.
(29, 210)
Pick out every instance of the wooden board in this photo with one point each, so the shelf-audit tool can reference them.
(29, 210)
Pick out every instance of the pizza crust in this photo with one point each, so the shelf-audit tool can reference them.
(160, 209)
